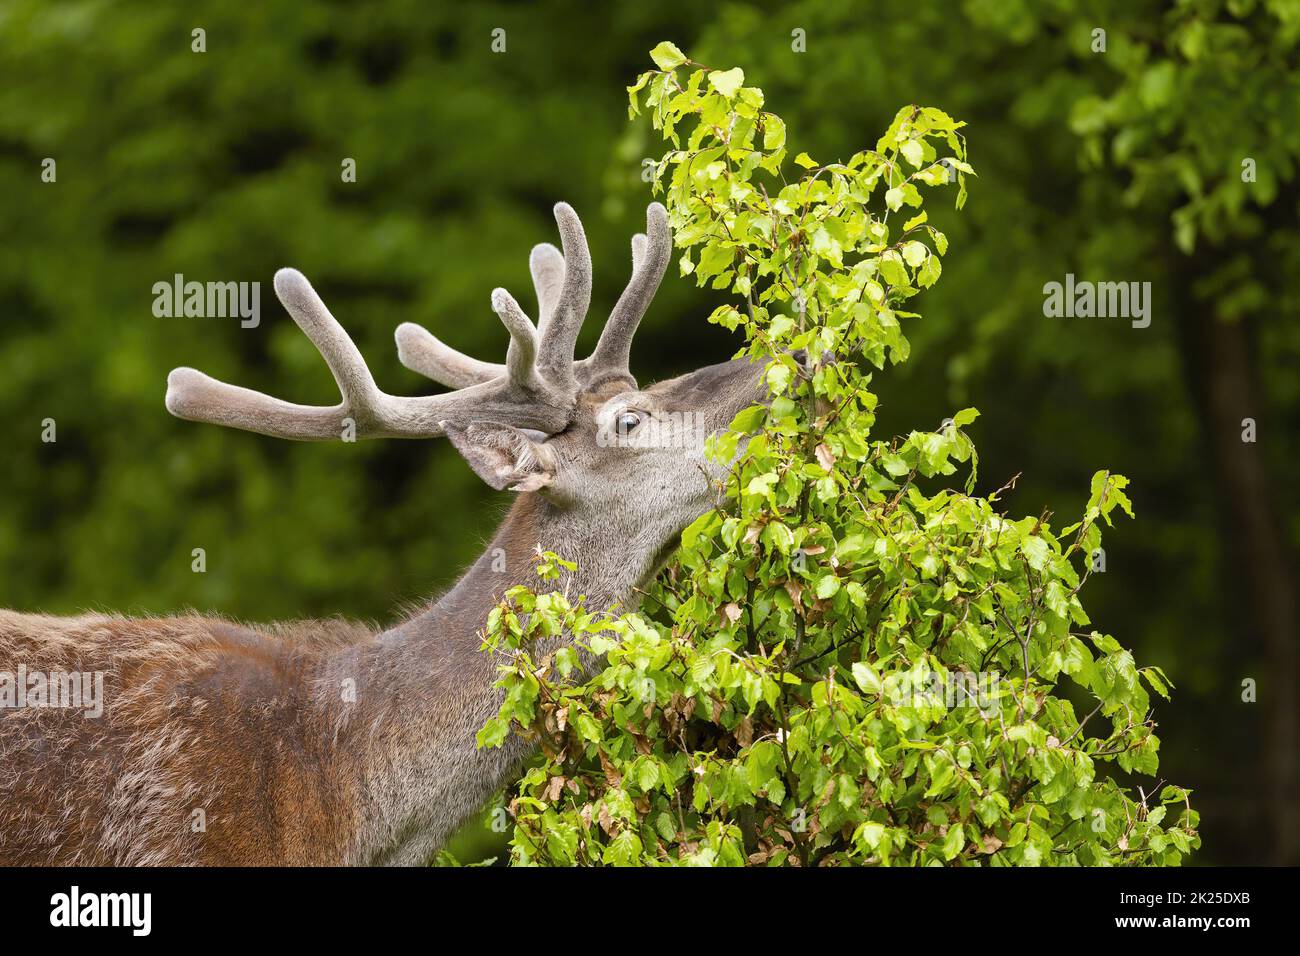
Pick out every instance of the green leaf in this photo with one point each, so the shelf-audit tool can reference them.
(727, 82)
(954, 841)
(666, 56)
(1037, 552)
(828, 585)
(867, 678)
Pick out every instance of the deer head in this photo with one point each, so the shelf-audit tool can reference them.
(579, 433)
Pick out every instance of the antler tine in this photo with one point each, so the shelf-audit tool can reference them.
(649, 262)
(546, 263)
(199, 397)
(421, 351)
(563, 284)
(555, 354)
(519, 397)
(341, 354)
(521, 356)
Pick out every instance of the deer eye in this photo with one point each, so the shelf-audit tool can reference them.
(627, 421)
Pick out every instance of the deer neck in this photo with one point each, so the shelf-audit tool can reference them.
(424, 689)
(610, 569)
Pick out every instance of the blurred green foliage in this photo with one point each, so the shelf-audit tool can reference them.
(1123, 165)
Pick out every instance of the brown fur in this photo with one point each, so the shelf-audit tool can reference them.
(199, 714)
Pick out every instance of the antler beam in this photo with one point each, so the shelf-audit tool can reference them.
(520, 396)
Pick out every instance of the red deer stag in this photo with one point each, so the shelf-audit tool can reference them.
(321, 742)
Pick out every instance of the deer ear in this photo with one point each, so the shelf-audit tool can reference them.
(503, 456)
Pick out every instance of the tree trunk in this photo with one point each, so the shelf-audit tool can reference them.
(1222, 367)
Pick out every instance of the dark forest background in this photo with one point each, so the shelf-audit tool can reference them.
(1123, 165)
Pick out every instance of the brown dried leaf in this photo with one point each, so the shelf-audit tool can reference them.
(612, 776)
(553, 788)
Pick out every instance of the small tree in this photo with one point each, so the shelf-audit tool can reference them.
(838, 667)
